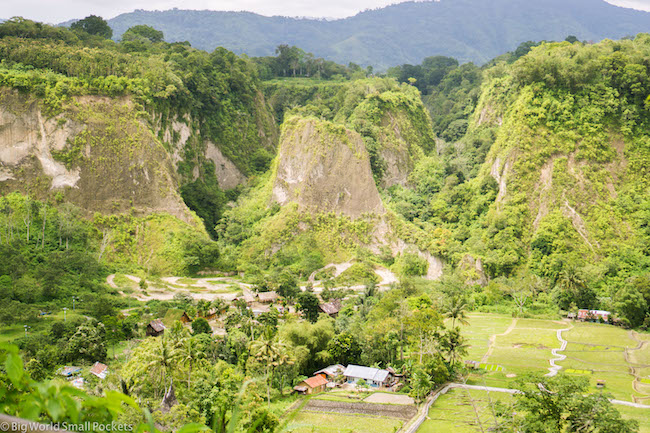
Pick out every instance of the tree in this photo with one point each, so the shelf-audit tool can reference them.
(271, 353)
(143, 32)
(453, 345)
(308, 304)
(630, 305)
(561, 404)
(201, 326)
(344, 348)
(457, 310)
(93, 25)
(421, 384)
(189, 353)
(87, 343)
(162, 358)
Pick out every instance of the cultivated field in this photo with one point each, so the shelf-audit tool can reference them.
(506, 348)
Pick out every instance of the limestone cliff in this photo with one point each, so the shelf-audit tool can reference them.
(98, 153)
(324, 167)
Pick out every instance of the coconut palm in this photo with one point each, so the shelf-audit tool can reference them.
(273, 353)
(457, 310)
(163, 358)
(189, 353)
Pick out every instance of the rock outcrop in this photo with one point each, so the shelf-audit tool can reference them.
(324, 167)
(98, 153)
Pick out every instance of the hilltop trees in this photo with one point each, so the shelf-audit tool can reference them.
(93, 25)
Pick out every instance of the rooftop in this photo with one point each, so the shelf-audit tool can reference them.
(366, 373)
(316, 381)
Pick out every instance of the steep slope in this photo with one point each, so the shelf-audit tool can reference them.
(469, 30)
(96, 154)
(563, 190)
(324, 168)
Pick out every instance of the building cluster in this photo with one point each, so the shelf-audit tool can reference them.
(356, 375)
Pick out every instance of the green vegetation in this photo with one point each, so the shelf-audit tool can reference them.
(397, 34)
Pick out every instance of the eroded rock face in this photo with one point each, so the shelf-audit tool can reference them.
(325, 167)
(97, 153)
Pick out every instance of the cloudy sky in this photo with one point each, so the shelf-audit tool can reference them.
(55, 11)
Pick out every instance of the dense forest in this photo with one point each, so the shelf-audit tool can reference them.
(402, 33)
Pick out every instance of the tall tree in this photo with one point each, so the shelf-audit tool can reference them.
(93, 25)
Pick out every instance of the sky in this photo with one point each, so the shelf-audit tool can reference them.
(56, 11)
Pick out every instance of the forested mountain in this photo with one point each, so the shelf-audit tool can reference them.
(468, 30)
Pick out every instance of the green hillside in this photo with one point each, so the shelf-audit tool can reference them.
(469, 30)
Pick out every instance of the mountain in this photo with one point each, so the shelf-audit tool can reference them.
(469, 30)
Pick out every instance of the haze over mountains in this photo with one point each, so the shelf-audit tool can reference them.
(469, 30)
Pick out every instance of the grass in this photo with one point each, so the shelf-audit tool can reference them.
(596, 351)
(462, 411)
(454, 412)
(308, 422)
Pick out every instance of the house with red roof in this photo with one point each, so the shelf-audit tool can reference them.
(312, 385)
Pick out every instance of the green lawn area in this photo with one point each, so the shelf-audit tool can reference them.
(308, 422)
(599, 335)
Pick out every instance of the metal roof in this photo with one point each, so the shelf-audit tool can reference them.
(316, 381)
(366, 373)
(332, 370)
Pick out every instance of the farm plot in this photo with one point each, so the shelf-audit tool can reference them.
(469, 411)
(479, 331)
(527, 347)
(320, 422)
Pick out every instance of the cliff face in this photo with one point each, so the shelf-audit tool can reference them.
(324, 167)
(98, 154)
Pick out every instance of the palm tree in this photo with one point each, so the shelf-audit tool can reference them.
(163, 357)
(272, 353)
(457, 310)
(453, 344)
(189, 354)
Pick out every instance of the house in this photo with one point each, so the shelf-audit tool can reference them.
(267, 297)
(331, 372)
(247, 297)
(593, 315)
(155, 328)
(174, 314)
(78, 382)
(331, 308)
(100, 370)
(312, 385)
(69, 371)
(211, 314)
(372, 376)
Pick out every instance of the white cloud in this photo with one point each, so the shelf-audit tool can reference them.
(55, 11)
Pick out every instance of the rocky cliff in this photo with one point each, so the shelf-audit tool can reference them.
(324, 167)
(98, 153)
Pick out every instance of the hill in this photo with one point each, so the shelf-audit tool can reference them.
(469, 30)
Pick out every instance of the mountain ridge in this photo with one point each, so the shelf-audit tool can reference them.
(463, 29)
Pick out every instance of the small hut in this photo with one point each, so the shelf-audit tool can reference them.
(331, 308)
(100, 370)
(312, 385)
(155, 328)
(267, 297)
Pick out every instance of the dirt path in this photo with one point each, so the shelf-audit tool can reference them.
(554, 368)
(493, 339)
(634, 369)
(516, 391)
(110, 280)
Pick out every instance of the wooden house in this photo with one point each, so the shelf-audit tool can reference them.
(155, 328)
(331, 308)
(267, 297)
